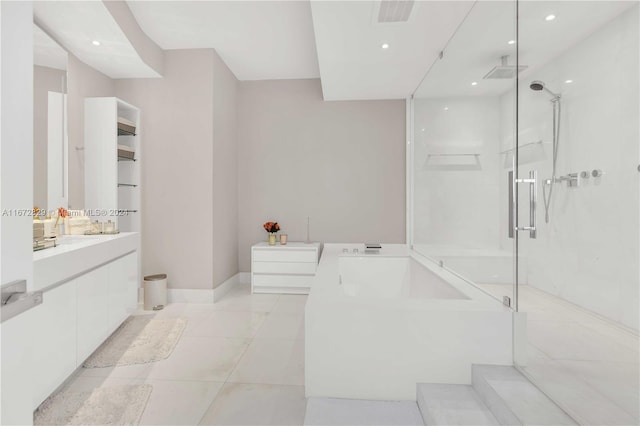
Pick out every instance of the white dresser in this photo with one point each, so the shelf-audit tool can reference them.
(286, 268)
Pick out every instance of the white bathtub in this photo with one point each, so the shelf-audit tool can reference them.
(376, 325)
(389, 277)
(480, 265)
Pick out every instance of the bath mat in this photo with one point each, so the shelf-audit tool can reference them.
(139, 340)
(109, 405)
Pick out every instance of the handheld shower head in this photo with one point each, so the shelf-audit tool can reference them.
(537, 85)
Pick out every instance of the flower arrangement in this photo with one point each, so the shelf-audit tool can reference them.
(271, 227)
(62, 213)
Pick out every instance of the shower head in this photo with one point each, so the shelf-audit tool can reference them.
(538, 85)
(504, 70)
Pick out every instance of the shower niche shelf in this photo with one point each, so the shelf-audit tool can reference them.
(453, 161)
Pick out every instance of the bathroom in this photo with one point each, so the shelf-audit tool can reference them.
(342, 143)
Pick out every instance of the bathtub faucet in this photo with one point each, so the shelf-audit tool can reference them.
(372, 248)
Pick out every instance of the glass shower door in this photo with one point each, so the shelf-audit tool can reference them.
(579, 280)
(464, 148)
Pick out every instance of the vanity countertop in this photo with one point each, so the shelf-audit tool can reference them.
(77, 254)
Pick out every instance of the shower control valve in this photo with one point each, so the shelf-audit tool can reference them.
(596, 173)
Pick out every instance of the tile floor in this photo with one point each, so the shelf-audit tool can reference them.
(589, 365)
(239, 362)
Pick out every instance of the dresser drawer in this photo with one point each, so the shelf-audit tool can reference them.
(307, 268)
(282, 280)
(284, 255)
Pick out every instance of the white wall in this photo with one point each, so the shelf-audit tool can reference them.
(176, 133)
(589, 253)
(16, 193)
(83, 82)
(188, 169)
(340, 163)
(225, 172)
(456, 200)
(16, 142)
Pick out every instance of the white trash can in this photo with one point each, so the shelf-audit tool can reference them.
(155, 292)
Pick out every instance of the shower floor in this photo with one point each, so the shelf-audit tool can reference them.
(587, 364)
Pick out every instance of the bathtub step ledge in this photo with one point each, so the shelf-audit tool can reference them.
(444, 404)
(513, 399)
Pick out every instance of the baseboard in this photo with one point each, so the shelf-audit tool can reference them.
(180, 295)
(186, 295)
(222, 289)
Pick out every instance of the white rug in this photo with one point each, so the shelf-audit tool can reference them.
(110, 405)
(139, 340)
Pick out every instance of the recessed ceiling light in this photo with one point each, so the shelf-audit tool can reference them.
(568, 81)
(446, 108)
(385, 45)
(423, 130)
(474, 83)
(511, 42)
(550, 17)
(95, 43)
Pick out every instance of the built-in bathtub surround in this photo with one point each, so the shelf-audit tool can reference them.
(378, 324)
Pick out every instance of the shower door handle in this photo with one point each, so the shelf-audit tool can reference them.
(533, 204)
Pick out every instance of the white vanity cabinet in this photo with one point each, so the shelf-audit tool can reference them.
(54, 355)
(106, 297)
(93, 313)
(79, 313)
(286, 268)
(122, 291)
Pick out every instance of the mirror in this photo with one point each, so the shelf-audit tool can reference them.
(50, 150)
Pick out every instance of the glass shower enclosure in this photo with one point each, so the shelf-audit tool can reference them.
(524, 180)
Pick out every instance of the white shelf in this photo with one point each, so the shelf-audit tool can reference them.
(112, 183)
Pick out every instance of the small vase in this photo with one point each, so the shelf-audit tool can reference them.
(61, 229)
(272, 239)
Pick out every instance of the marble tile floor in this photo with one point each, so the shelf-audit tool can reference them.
(239, 362)
(587, 364)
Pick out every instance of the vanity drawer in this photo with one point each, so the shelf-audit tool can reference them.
(284, 255)
(308, 268)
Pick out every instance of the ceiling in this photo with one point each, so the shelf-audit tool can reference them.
(46, 52)
(477, 47)
(75, 24)
(258, 40)
(353, 64)
(338, 41)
